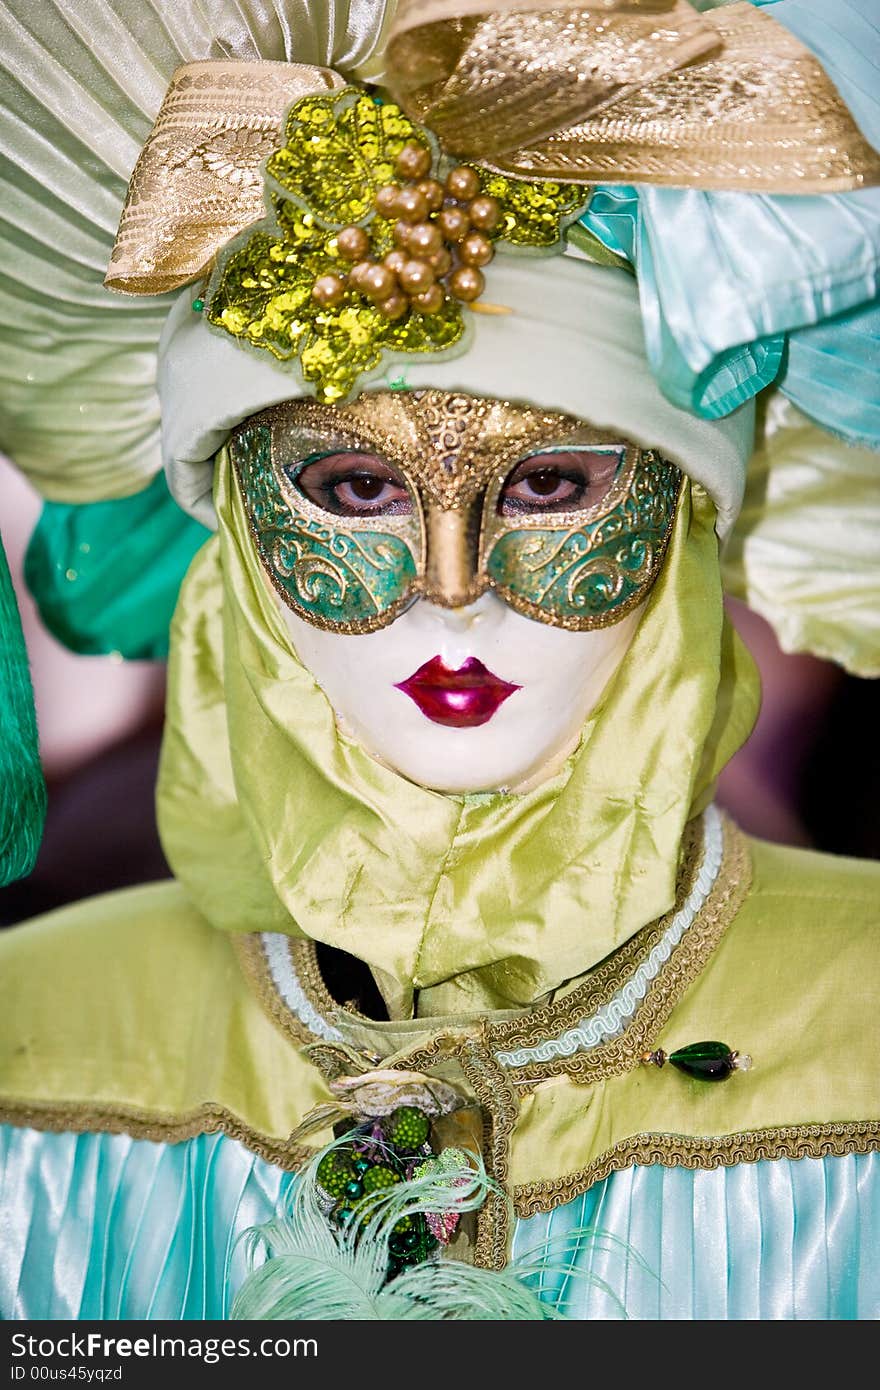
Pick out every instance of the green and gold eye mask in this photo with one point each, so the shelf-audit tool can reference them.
(358, 510)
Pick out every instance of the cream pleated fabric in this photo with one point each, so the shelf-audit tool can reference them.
(80, 86)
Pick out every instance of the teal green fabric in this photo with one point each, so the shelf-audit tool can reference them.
(739, 290)
(22, 789)
(105, 575)
(99, 1226)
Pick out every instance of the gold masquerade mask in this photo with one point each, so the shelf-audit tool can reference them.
(358, 510)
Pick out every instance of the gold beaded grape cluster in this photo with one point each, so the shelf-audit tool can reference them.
(441, 241)
(374, 244)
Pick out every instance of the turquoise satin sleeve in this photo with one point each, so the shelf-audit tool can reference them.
(106, 575)
(729, 281)
(98, 1226)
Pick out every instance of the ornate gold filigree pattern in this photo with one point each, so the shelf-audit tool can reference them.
(197, 181)
(624, 93)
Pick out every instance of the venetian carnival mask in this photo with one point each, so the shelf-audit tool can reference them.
(461, 575)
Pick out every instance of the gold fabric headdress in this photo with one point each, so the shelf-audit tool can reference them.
(645, 91)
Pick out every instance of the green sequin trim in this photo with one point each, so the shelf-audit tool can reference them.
(583, 573)
(327, 573)
(339, 149)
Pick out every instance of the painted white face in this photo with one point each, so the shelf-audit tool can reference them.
(492, 700)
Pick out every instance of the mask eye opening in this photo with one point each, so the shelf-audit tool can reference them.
(573, 479)
(350, 483)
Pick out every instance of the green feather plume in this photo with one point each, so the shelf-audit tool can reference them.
(304, 1267)
(313, 1269)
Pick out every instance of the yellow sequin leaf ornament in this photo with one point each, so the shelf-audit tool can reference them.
(533, 215)
(341, 151)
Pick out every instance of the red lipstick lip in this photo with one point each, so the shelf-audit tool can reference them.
(460, 699)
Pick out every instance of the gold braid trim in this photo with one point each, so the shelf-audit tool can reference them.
(71, 1117)
(252, 959)
(721, 1151)
(500, 1108)
(688, 959)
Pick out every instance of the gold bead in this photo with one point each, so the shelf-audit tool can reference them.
(462, 183)
(467, 283)
(440, 262)
(433, 191)
(357, 273)
(394, 307)
(395, 261)
(377, 283)
(416, 276)
(454, 223)
(328, 291)
(412, 206)
(429, 301)
(353, 243)
(485, 213)
(385, 201)
(401, 234)
(425, 238)
(476, 249)
(414, 161)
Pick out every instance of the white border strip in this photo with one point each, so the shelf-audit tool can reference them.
(276, 946)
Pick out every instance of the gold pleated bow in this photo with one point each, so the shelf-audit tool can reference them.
(611, 91)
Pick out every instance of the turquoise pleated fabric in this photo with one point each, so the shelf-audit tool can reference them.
(739, 290)
(97, 1226)
(781, 1239)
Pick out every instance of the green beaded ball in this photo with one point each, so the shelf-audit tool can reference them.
(407, 1128)
(335, 1171)
(378, 1178)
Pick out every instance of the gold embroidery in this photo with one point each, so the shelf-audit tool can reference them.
(721, 1151)
(197, 181)
(71, 1118)
(651, 93)
(500, 1106)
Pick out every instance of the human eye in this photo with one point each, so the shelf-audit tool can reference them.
(352, 484)
(560, 480)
